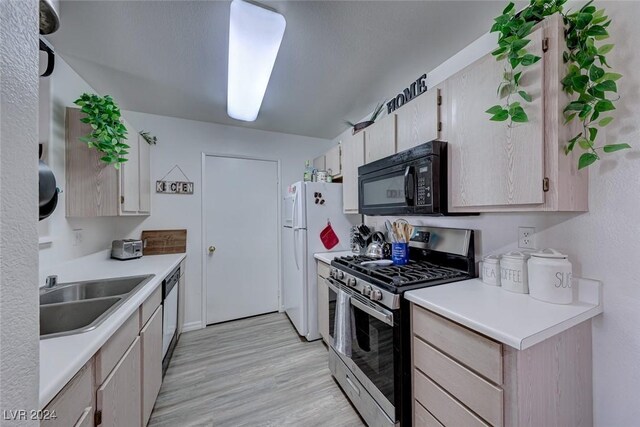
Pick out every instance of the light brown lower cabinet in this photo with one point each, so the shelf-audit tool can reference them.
(463, 378)
(151, 357)
(75, 402)
(119, 397)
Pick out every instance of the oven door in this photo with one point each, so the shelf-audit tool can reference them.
(374, 347)
(374, 351)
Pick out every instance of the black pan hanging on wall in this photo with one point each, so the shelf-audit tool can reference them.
(48, 191)
(49, 23)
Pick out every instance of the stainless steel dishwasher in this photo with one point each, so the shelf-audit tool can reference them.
(169, 316)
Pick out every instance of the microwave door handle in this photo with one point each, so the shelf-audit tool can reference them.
(409, 185)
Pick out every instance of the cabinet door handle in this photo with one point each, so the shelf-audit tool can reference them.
(212, 249)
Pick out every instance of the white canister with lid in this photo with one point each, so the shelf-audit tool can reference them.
(550, 276)
(513, 272)
(491, 270)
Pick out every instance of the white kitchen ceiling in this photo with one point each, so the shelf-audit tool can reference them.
(336, 61)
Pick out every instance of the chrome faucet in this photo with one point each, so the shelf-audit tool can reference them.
(51, 281)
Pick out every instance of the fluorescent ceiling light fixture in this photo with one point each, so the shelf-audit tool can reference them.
(255, 35)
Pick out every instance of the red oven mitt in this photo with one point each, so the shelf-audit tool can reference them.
(328, 237)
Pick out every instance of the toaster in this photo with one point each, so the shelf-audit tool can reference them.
(126, 249)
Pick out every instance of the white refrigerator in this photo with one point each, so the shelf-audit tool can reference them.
(308, 208)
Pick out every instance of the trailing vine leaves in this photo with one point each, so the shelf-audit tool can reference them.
(586, 79)
(108, 132)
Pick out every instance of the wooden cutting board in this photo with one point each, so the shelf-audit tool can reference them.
(162, 242)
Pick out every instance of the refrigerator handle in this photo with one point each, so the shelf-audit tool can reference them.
(295, 247)
(293, 211)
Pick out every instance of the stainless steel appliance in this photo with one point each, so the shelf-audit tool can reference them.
(169, 316)
(412, 182)
(126, 249)
(376, 373)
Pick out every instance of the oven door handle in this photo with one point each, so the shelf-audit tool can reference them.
(386, 318)
(409, 185)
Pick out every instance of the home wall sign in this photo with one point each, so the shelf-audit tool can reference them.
(174, 187)
(415, 89)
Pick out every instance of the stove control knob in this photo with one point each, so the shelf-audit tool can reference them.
(351, 281)
(366, 290)
(332, 273)
(340, 275)
(375, 295)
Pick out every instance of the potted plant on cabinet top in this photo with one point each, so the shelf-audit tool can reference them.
(357, 127)
(108, 132)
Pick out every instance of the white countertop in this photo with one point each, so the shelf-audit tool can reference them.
(61, 358)
(517, 320)
(327, 257)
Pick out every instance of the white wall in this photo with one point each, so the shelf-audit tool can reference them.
(19, 338)
(56, 93)
(604, 243)
(182, 142)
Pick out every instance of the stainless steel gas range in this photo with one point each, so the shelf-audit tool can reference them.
(370, 350)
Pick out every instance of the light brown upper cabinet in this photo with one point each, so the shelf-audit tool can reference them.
(333, 163)
(352, 158)
(419, 120)
(319, 163)
(94, 188)
(380, 139)
(493, 167)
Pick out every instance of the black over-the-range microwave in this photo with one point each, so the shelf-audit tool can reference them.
(412, 182)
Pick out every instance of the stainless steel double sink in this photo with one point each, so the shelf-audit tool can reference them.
(72, 308)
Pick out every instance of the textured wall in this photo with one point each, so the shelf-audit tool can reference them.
(19, 353)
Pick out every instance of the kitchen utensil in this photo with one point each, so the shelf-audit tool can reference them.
(161, 242)
(491, 270)
(126, 249)
(379, 262)
(329, 237)
(46, 183)
(399, 253)
(376, 248)
(47, 210)
(390, 232)
(550, 274)
(513, 272)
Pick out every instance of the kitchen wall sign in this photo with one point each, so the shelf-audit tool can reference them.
(174, 187)
(415, 89)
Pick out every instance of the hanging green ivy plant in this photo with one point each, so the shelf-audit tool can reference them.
(586, 79)
(108, 133)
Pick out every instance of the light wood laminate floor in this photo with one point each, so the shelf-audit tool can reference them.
(251, 372)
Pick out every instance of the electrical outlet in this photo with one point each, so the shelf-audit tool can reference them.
(77, 236)
(526, 237)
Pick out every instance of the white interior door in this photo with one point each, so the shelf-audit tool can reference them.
(241, 223)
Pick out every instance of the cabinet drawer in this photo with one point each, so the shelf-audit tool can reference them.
(323, 269)
(443, 406)
(476, 393)
(112, 351)
(472, 350)
(422, 417)
(71, 402)
(149, 306)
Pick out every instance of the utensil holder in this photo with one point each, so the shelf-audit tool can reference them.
(399, 253)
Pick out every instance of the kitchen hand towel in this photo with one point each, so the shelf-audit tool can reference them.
(329, 237)
(344, 324)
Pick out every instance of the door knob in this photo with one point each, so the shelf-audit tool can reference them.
(212, 249)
